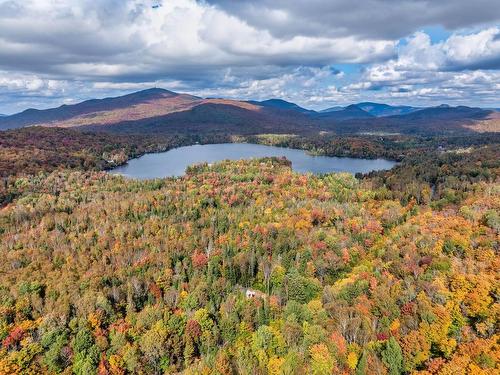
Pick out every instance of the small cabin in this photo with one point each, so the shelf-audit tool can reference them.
(250, 293)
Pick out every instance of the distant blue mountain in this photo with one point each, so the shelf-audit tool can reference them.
(382, 110)
(280, 104)
(445, 112)
(332, 109)
(377, 109)
(350, 112)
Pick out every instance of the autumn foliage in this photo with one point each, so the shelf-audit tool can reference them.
(104, 275)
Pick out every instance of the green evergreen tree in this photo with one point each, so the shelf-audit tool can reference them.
(392, 357)
(361, 368)
(86, 353)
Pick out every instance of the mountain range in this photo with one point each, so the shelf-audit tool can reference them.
(161, 111)
(377, 109)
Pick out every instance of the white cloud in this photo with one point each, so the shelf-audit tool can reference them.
(367, 19)
(420, 57)
(120, 39)
(481, 49)
(52, 50)
(28, 82)
(446, 70)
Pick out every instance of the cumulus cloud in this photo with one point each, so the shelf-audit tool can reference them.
(419, 60)
(124, 39)
(369, 19)
(474, 51)
(297, 85)
(315, 52)
(460, 68)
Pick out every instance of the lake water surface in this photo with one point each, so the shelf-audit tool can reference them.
(174, 162)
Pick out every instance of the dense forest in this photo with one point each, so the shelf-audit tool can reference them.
(33, 149)
(245, 267)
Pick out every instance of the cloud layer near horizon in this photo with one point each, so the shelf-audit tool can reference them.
(317, 53)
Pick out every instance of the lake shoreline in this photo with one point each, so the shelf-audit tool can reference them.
(302, 160)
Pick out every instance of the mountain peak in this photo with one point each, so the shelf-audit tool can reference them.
(278, 101)
(146, 103)
(158, 90)
(383, 110)
(350, 112)
(153, 91)
(280, 104)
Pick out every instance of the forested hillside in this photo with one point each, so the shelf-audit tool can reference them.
(166, 113)
(31, 150)
(265, 187)
(246, 267)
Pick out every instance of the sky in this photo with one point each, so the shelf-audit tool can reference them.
(316, 53)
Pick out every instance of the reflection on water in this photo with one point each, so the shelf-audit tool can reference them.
(175, 161)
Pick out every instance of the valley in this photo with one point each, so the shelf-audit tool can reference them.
(162, 112)
(244, 266)
(217, 187)
(175, 162)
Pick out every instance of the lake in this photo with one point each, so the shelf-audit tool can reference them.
(174, 162)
